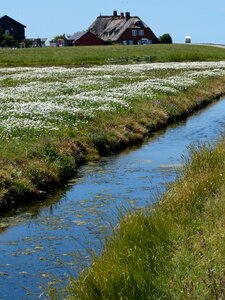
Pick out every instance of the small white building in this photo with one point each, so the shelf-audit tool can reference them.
(187, 39)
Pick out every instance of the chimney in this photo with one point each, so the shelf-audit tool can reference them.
(115, 13)
(121, 15)
(127, 15)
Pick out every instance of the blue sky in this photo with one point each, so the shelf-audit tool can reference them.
(203, 20)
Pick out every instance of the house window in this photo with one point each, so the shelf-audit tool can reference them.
(7, 32)
(134, 32)
(141, 32)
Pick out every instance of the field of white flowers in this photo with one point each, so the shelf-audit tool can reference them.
(50, 99)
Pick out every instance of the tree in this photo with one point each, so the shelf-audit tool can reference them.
(6, 40)
(60, 39)
(165, 39)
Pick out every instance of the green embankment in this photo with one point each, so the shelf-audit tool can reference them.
(54, 119)
(174, 250)
(90, 55)
(37, 165)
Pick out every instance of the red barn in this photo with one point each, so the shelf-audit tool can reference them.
(86, 38)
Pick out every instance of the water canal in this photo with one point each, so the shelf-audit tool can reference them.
(49, 241)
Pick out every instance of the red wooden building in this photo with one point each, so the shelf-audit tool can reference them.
(86, 38)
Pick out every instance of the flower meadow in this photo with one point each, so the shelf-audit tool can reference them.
(49, 99)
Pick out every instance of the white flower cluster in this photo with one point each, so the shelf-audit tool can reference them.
(58, 97)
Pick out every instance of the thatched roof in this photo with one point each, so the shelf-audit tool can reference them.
(110, 28)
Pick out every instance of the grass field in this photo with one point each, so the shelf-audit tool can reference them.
(46, 101)
(108, 54)
(54, 118)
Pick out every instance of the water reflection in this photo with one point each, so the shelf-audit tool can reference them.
(56, 237)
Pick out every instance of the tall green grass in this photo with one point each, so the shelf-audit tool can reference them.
(174, 250)
(89, 55)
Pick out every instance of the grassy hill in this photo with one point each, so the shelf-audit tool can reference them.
(89, 55)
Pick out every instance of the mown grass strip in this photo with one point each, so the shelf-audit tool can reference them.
(90, 55)
(174, 250)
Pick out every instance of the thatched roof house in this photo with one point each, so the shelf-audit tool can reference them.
(123, 29)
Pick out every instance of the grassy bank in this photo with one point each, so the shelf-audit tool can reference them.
(174, 250)
(90, 55)
(54, 119)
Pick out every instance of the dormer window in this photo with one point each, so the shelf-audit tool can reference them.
(139, 24)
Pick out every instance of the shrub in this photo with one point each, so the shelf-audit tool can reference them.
(165, 39)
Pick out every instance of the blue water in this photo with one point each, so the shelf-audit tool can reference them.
(55, 238)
